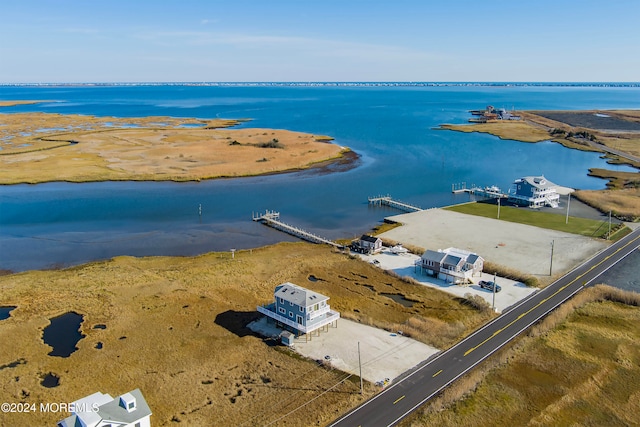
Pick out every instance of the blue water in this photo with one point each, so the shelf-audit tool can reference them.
(391, 128)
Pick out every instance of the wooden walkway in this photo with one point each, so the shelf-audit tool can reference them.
(488, 192)
(272, 219)
(389, 201)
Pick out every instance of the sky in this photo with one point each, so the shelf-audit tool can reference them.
(47, 41)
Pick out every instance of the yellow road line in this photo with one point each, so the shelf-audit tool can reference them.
(549, 297)
(437, 373)
(398, 400)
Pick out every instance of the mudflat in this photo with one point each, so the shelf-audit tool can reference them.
(40, 147)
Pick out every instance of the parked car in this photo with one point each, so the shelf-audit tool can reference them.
(489, 285)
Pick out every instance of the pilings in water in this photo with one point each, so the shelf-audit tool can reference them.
(272, 219)
(389, 201)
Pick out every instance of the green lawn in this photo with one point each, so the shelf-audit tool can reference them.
(582, 226)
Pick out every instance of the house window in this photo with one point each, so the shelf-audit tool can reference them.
(316, 307)
(291, 314)
(281, 300)
(282, 310)
(301, 309)
(290, 303)
(137, 425)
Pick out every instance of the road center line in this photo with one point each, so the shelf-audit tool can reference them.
(437, 373)
(399, 399)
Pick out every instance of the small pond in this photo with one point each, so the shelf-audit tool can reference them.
(400, 299)
(63, 334)
(5, 311)
(50, 380)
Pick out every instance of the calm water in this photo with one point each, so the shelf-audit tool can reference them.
(63, 334)
(61, 224)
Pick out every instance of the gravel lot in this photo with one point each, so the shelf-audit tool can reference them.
(522, 247)
(384, 355)
(511, 292)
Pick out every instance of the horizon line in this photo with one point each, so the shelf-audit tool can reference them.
(331, 83)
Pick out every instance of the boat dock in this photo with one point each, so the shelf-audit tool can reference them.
(389, 201)
(272, 219)
(491, 192)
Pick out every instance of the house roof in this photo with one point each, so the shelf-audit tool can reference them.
(368, 238)
(472, 258)
(538, 182)
(113, 411)
(108, 410)
(452, 260)
(430, 255)
(298, 295)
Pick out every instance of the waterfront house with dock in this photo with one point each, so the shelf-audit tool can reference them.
(534, 192)
(302, 310)
(451, 265)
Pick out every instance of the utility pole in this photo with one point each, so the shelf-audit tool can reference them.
(568, 204)
(360, 365)
(495, 285)
(551, 263)
(498, 207)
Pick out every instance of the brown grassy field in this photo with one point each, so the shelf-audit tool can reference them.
(580, 366)
(515, 130)
(175, 328)
(41, 147)
(623, 203)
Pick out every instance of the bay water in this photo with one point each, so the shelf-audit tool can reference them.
(391, 128)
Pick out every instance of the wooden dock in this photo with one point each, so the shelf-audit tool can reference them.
(272, 219)
(488, 192)
(389, 201)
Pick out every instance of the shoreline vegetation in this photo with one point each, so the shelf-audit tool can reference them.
(44, 147)
(178, 324)
(616, 133)
(577, 366)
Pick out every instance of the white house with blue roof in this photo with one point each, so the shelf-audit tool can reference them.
(300, 309)
(102, 410)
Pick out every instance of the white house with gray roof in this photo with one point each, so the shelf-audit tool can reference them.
(300, 309)
(534, 192)
(451, 265)
(102, 410)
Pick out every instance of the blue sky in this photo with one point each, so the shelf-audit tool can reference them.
(322, 40)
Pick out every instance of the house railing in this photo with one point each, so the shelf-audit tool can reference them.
(305, 329)
(320, 312)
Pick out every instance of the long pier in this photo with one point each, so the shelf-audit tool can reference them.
(489, 192)
(272, 219)
(389, 201)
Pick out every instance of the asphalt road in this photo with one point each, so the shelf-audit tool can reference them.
(390, 406)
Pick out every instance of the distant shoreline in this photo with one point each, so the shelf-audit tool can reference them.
(312, 84)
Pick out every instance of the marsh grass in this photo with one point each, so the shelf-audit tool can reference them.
(187, 346)
(578, 366)
(43, 147)
(623, 204)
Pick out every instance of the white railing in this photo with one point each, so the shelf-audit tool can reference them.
(318, 313)
(331, 317)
